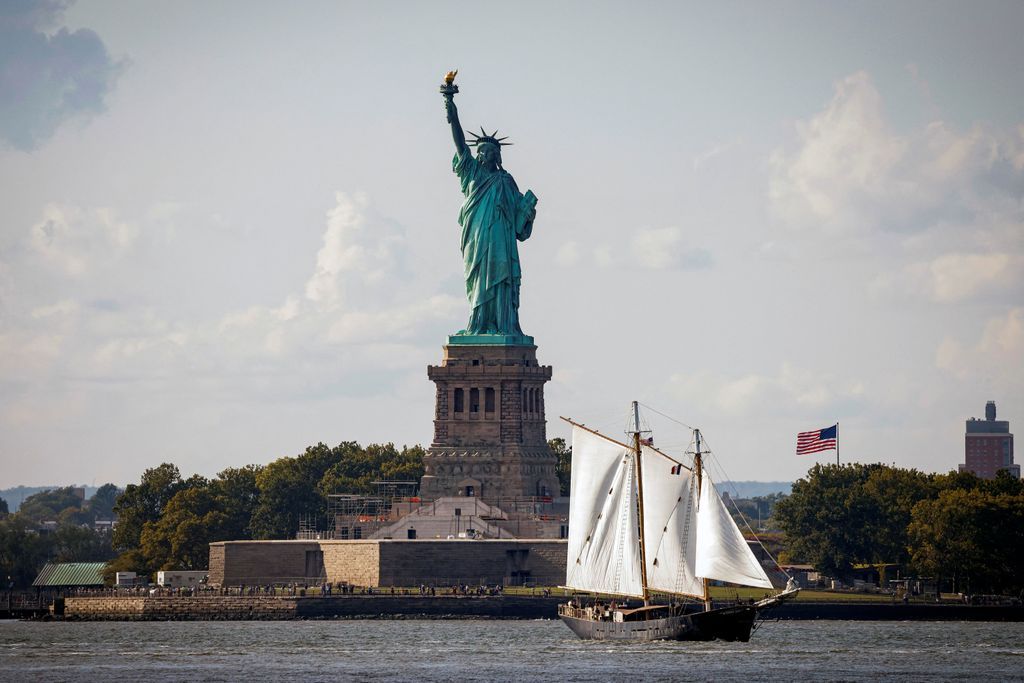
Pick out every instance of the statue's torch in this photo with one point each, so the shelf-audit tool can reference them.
(448, 90)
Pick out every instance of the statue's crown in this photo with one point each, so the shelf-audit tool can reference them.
(485, 137)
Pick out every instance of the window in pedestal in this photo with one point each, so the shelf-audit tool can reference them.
(474, 400)
(489, 400)
(459, 400)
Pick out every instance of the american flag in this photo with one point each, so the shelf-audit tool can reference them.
(818, 440)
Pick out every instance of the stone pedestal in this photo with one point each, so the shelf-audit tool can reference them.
(489, 427)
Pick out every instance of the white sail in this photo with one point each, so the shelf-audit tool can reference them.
(670, 525)
(603, 549)
(722, 552)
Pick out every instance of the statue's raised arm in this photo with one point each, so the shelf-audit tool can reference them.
(448, 90)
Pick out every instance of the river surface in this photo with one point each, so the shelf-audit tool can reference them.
(296, 651)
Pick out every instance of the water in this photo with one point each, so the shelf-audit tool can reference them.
(501, 651)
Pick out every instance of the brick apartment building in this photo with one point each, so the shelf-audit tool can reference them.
(988, 446)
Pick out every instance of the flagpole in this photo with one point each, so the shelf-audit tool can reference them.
(837, 444)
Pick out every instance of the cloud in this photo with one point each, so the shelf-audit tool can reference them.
(74, 240)
(354, 251)
(851, 173)
(396, 323)
(69, 330)
(568, 254)
(940, 208)
(790, 391)
(47, 79)
(955, 277)
(663, 248)
(995, 356)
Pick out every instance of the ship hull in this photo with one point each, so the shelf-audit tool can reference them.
(729, 623)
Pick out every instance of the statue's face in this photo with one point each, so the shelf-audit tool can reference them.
(488, 155)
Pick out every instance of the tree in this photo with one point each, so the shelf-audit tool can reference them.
(3, 508)
(293, 488)
(47, 505)
(839, 516)
(974, 537)
(101, 505)
(406, 465)
(288, 490)
(237, 494)
(564, 466)
(181, 538)
(893, 493)
(22, 551)
(356, 469)
(70, 543)
(143, 502)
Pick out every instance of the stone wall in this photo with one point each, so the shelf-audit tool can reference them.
(442, 562)
(390, 562)
(178, 608)
(353, 562)
(234, 563)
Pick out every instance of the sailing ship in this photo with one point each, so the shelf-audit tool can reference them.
(644, 525)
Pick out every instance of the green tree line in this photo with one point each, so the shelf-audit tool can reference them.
(948, 526)
(167, 522)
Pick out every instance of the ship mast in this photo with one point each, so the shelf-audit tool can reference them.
(698, 469)
(640, 499)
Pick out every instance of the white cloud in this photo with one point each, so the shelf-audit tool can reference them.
(852, 173)
(353, 249)
(957, 277)
(76, 240)
(568, 254)
(663, 248)
(603, 256)
(996, 357)
(790, 391)
(61, 308)
(941, 208)
(845, 155)
(656, 248)
(402, 323)
(359, 294)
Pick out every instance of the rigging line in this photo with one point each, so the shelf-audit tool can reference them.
(667, 417)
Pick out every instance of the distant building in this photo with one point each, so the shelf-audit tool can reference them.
(988, 446)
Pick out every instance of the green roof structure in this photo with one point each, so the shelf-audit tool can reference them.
(70, 574)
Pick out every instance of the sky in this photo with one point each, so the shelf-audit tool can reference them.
(228, 230)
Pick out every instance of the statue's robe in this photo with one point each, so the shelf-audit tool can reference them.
(493, 217)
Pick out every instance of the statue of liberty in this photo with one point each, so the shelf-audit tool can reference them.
(493, 217)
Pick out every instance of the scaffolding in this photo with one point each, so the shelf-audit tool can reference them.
(352, 516)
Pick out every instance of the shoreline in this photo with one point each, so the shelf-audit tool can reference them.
(501, 607)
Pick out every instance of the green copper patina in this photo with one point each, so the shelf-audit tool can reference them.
(494, 216)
